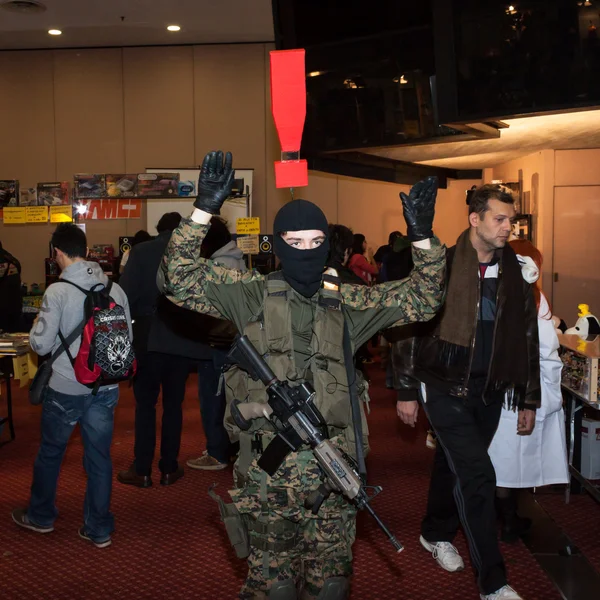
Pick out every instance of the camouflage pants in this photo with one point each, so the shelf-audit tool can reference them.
(287, 541)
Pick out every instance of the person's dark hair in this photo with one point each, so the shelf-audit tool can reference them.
(340, 239)
(141, 236)
(217, 236)
(357, 244)
(393, 237)
(70, 239)
(168, 222)
(480, 197)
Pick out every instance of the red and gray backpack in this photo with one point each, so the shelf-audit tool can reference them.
(106, 354)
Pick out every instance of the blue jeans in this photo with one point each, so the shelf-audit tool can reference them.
(60, 414)
(212, 407)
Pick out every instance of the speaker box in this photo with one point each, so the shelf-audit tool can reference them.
(265, 244)
(124, 245)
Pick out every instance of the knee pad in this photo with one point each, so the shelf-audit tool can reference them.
(283, 590)
(335, 588)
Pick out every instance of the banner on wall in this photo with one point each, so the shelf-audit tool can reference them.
(102, 208)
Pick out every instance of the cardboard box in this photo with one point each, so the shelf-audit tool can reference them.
(89, 185)
(28, 197)
(590, 448)
(121, 185)
(53, 193)
(157, 185)
(9, 192)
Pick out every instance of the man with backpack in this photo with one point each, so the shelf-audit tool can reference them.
(85, 324)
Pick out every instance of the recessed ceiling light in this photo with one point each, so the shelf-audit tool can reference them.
(54, 31)
(173, 28)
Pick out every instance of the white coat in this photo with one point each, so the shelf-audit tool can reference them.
(524, 461)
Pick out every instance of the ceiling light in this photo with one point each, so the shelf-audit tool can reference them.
(315, 73)
(173, 28)
(54, 31)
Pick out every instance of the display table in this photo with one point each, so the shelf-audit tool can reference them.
(580, 389)
(12, 365)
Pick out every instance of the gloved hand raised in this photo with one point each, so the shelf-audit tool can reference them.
(215, 182)
(419, 209)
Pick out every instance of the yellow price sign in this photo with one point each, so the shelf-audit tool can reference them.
(15, 216)
(248, 244)
(247, 226)
(37, 214)
(61, 214)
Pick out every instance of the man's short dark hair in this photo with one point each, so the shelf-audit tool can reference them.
(393, 237)
(141, 236)
(168, 222)
(70, 239)
(480, 197)
(341, 239)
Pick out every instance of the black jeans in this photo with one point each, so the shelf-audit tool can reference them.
(463, 481)
(212, 407)
(156, 369)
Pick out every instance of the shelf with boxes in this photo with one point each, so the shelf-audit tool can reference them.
(580, 367)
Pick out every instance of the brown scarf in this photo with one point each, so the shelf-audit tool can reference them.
(460, 309)
(509, 370)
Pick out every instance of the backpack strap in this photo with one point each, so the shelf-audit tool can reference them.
(65, 343)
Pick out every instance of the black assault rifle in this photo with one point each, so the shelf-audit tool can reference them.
(298, 421)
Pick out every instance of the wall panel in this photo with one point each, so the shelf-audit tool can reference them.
(159, 107)
(88, 93)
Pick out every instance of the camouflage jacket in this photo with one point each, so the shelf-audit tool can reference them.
(203, 286)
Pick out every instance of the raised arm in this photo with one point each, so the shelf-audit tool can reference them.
(191, 281)
(420, 296)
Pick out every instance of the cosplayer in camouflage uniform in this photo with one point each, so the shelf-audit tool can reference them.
(293, 553)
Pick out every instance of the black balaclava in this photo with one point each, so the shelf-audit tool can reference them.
(302, 269)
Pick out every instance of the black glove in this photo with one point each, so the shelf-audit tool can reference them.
(215, 182)
(419, 209)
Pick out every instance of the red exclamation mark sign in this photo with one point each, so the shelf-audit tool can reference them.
(288, 104)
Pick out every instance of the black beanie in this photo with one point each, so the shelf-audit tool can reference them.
(300, 215)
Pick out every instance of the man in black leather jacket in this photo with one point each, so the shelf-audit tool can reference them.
(481, 350)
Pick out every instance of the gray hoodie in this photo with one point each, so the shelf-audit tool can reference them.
(230, 256)
(62, 310)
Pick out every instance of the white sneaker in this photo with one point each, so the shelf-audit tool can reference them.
(446, 555)
(504, 593)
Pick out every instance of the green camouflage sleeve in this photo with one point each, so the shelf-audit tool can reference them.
(396, 303)
(188, 276)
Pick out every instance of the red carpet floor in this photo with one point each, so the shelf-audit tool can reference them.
(169, 542)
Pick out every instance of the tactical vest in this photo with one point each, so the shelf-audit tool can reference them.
(271, 333)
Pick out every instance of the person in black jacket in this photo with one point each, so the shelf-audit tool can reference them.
(163, 362)
(11, 298)
(481, 350)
